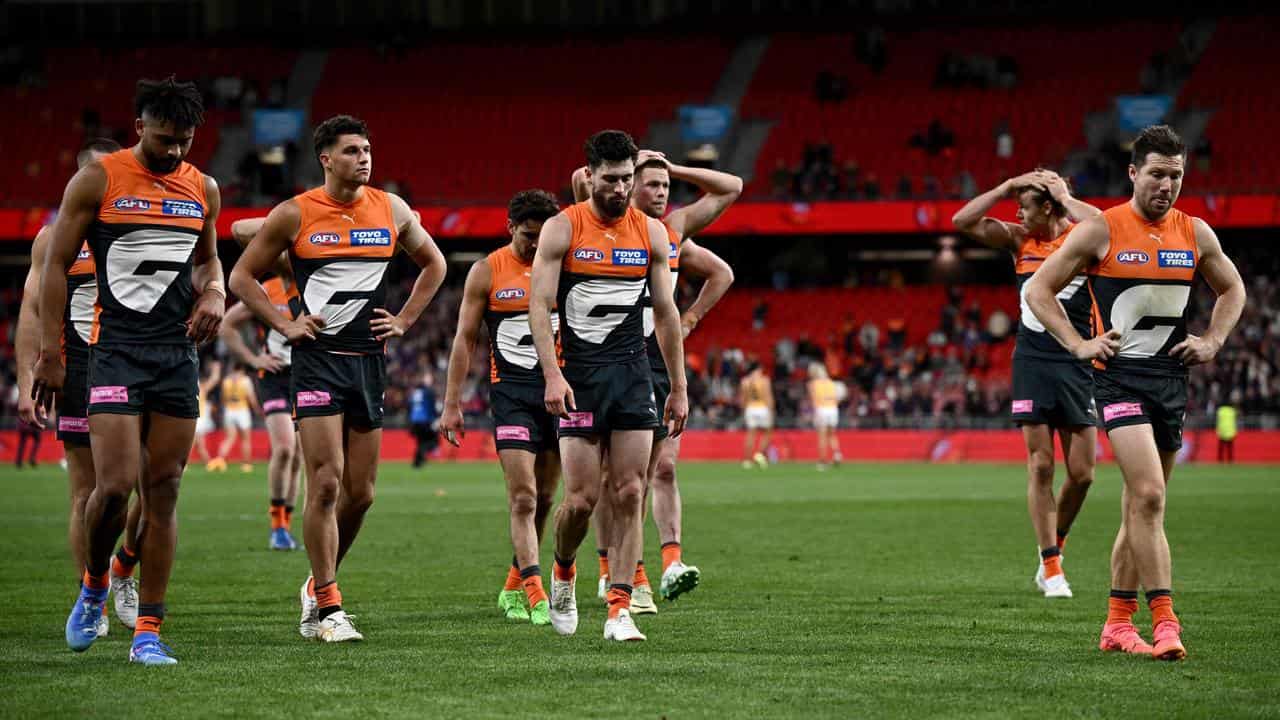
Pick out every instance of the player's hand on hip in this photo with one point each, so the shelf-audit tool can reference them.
(385, 325)
(450, 425)
(206, 317)
(47, 378)
(1103, 347)
(676, 412)
(559, 397)
(1195, 350)
(305, 327)
(267, 363)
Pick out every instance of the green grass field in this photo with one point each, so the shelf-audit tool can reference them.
(872, 590)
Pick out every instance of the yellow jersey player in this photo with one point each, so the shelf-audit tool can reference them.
(824, 399)
(755, 397)
(239, 402)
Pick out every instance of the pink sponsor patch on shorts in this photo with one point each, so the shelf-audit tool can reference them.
(73, 424)
(1120, 410)
(109, 394)
(273, 405)
(512, 432)
(578, 420)
(1023, 406)
(312, 398)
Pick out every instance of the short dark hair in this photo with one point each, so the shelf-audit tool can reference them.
(328, 132)
(1159, 139)
(650, 165)
(1040, 197)
(101, 145)
(610, 146)
(538, 205)
(170, 101)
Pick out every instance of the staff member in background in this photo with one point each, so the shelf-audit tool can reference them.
(422, 419)
(1227, 429)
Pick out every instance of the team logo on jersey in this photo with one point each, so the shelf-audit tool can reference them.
(509, 294)
(1175, 259)
(371, 238)
(182, 208)
(623, 256)
(588, 255)
(84, 254)
(1132, 257)
(325, 239)
(674, 252)
(132, 204)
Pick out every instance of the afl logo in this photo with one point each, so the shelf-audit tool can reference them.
(509, 294)
(588, 255)
(84, 254)
(325, 239)
(1132, 257)
(131, 204)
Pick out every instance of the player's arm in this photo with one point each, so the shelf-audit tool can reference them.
(475, 294)
(1087, 243)
(232, 322)
(273, 238)
(972, 219)
(418, 245)
(206, 273)
(1223, 277)
(27, 343)
(716, 273)
(252, 395)
(1077, 209)
(581, 185)
(553, 245)
(720, 190)
(243, 230)
(666, 327)
(79, 207)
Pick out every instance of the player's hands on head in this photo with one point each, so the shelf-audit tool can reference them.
(1036, 178)
(206, 317)
(645, 156)
(559, 397)
(305, 327)
(385, 325)
(47, 378)
(1102, 347)
(1195, 350)
(267, 363)
(450, 425)
(676, 412)
(1056, 186)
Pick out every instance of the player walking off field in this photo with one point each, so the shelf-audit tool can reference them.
(1052, 390)
(341, 238)
(1141, 258)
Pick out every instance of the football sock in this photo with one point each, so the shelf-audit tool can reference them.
(124, 562)
(1062, 539)
(1121, 606)
(328, 599)
(150, 616)
(513, 576)
(1161, 604)
(604, 561)
(619, 598)
(641, 577)
(1051, 557)
(531, 578)
(288, 516)
(277, 514)
(670, 554)
(96, 582)
(564, 571)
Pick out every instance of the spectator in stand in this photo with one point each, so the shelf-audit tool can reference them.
(422, 419)
(759, 314)
(1004, 140)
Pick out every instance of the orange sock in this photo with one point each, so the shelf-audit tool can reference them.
(1062, 539)
(96, 582)
(564, 573)
(121, 568)
(641, 578)
(513, 579)
(1161, 609)
(277, 517)
(533, 589)
(604, 562)
(288, 516)
(311, 587)
(670, 554)
(1121, 610)
(147, 624)
(1052, 566)
(328, 595)
(618, 599)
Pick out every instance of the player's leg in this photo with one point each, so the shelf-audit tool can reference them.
(581, 458)
(522, 503)
(822, 445)
(293, 485)
(322, 451)
(359, 476)
(1079, 449)
(668, 515)
(80, 483)
(748, 445)
(1119, 634)
(1166, 630)
(546, 472)
(766, 437)
(602, 523)
(124, 586)
(629, 454)
(228, 437)
(1042, 508)
(280, 476)
(246, 441)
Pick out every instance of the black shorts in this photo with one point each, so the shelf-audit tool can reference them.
(611, 397)
(73, 405)
(133, 379)
(661, 389)
(1132, 399)
(326, 383)
(274, 394)
(520, 417)
(1052, 392)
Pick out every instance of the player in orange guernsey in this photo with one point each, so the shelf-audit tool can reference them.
(1052, 390)
(594, 262)
(654, 174)
(150, 219)
(341, 238)
(73, 420)
(1141, 258)
(497, 293)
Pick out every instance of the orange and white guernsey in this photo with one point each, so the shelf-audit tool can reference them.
(287, 303)
(602, 284)
(143, 239)
(1142, 288)
(1033, 340)
(340, 258)
(674, 241)
(82, 298)
(512, 355)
